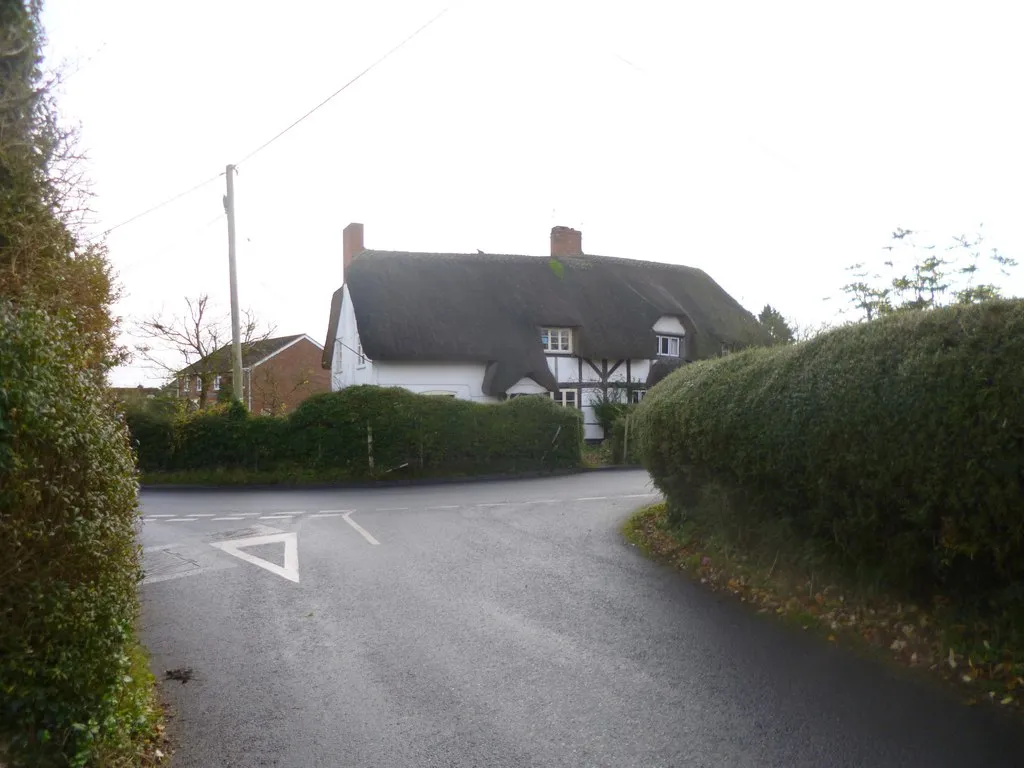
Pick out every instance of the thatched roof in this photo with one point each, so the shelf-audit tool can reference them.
(252, 353)
(488, 308)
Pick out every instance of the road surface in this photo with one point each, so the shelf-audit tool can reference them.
(498, 624)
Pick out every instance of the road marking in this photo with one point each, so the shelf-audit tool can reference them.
(637, 495)
(543, 501)
(391, 509)
(591, 498)
(443, 506)
(326, 514)
(336, 511)
(496, 504)
(200, 515)
(290, 570)
(275, 517)
(181, 520)
(160, 547)
(161, 515)
(218, 519)
(365, 533)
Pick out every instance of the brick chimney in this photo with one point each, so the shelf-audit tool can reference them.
(566, 241)
(352, 240)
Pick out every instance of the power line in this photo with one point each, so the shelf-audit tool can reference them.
(158, 206)
(270, 141)
(274, 138)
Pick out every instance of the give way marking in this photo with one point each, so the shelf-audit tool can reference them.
(290, 540)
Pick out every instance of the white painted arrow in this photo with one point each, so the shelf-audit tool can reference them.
(290, 570)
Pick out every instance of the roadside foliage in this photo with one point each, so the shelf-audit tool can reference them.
(894, 447)
(363, 433)
(74, 687)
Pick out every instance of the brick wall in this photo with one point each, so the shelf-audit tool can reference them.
(288, 378)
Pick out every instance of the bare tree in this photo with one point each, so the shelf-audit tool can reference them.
(192, 340)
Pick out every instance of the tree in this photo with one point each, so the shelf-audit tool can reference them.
(192, 339)
(45, 261)
(775, 324)
(920, 277)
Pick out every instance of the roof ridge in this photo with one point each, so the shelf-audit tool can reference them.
(484, 256)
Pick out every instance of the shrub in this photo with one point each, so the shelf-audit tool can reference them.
(898, 445)
(370, 432)
(68, 559)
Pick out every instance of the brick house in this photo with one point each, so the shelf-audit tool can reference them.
(277, 375)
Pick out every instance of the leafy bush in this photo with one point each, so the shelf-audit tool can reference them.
(370, 432)
(68, 559)
(896, 445)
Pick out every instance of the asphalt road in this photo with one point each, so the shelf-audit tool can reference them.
(499, 624)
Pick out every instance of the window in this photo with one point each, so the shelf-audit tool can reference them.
(668, 346)
(199, 383)
(216, 383)
(565, 397)
(360, 357)
(637, 395)
(556, 339)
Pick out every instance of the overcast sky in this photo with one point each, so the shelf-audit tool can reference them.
(771, 144)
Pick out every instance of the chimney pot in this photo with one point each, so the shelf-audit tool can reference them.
(566, 241)
(352, 243)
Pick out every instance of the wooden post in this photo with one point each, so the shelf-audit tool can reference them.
(625, 442)
(369, 445)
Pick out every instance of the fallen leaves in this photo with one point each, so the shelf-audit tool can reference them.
(920, 637)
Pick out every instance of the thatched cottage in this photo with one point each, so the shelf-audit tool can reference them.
(485, 327)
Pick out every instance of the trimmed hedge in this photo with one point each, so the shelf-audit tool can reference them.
(406, 435)
(895, 445)
(68, 559)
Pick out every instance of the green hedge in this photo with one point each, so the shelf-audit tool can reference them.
(68, 560)
(896, 445)
(406, 434)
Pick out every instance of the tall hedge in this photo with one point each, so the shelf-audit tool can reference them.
(898, 444)
(365, 433)
(68, 559)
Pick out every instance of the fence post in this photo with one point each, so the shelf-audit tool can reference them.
(625, 442)
(369, 445)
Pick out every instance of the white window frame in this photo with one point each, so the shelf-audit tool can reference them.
(360, 357)
(556, 341)
(216, 383)
(667, 343)
(637, 395)
(199, 383)
(562, 396)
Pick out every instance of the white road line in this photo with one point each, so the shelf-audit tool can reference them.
(200, 515)
(218, 519)
(289, 571)
(365, 533)
(496, 504)
(591, 498)
(542, 501)
(275, 517)
(181, 520)
(391, 509)
(443, 506)
(161, 515)
(160, 547)
(637, 495)
(336, 511)
(326, 514)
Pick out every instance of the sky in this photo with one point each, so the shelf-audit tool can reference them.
(770, 144)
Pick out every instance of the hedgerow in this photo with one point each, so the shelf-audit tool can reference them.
(68, 559)
(366, 433)
(895, 446)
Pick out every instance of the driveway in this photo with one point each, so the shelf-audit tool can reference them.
(498, 624)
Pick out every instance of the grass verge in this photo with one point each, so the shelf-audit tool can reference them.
(143, 741)
(982, 657)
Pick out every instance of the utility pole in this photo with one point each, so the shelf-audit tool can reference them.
(236, 341)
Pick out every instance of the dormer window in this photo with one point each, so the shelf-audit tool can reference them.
(557, 340)
(668, 346)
